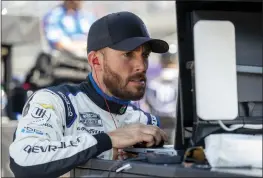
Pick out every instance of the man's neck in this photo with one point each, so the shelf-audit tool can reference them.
(103, 91)
(101, 85)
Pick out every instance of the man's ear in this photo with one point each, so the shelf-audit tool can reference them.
(90, 56)
(93, 60)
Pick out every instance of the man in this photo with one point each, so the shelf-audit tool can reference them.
(161, 93)
(64, 126)
(66, 26)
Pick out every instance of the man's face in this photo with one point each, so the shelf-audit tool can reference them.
(124, 73)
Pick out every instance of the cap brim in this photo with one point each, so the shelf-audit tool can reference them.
(157, 46)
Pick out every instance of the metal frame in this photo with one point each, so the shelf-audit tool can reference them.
(7, 62)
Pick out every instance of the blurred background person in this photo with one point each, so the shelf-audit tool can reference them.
(161, 93)
(66, 26)
(65, 29)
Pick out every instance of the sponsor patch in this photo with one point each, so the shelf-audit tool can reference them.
(47, 125)
(38, 113)
(90, 131)
(51, 148)
(41, 115)
(123, 109)
(32, 131)
(90, 119)
(39, 121)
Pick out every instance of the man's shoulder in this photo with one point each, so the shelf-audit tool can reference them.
(62, 91)
(66, 89)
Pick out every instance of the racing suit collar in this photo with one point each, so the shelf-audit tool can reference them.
(116, 105)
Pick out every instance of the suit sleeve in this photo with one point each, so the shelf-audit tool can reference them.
(136, 115)
(40, 148)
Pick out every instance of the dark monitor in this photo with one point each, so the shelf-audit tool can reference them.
(247, 19)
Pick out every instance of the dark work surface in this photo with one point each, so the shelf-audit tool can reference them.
(101, 167)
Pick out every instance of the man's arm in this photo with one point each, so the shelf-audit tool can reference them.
(40, 148)
(137, 115)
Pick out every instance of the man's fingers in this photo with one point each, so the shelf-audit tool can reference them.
(149, 139)
(132, 134)
(155, 132)
(164, 135)
(149, 144)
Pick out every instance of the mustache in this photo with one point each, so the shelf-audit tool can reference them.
(138, 76)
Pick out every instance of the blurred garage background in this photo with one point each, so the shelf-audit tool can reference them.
(22, 43)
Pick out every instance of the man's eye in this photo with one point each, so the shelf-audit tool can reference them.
(128, 55)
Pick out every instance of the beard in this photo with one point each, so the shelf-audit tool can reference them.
(118, 86)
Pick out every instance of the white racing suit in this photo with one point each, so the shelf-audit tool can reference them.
(64, 126)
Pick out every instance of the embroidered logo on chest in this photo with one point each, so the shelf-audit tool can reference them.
(90, 119)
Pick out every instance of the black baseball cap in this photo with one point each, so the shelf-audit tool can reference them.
(123, 31)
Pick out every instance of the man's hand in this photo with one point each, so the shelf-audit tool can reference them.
(137, 133)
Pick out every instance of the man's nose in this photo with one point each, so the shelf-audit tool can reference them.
(141, 65)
